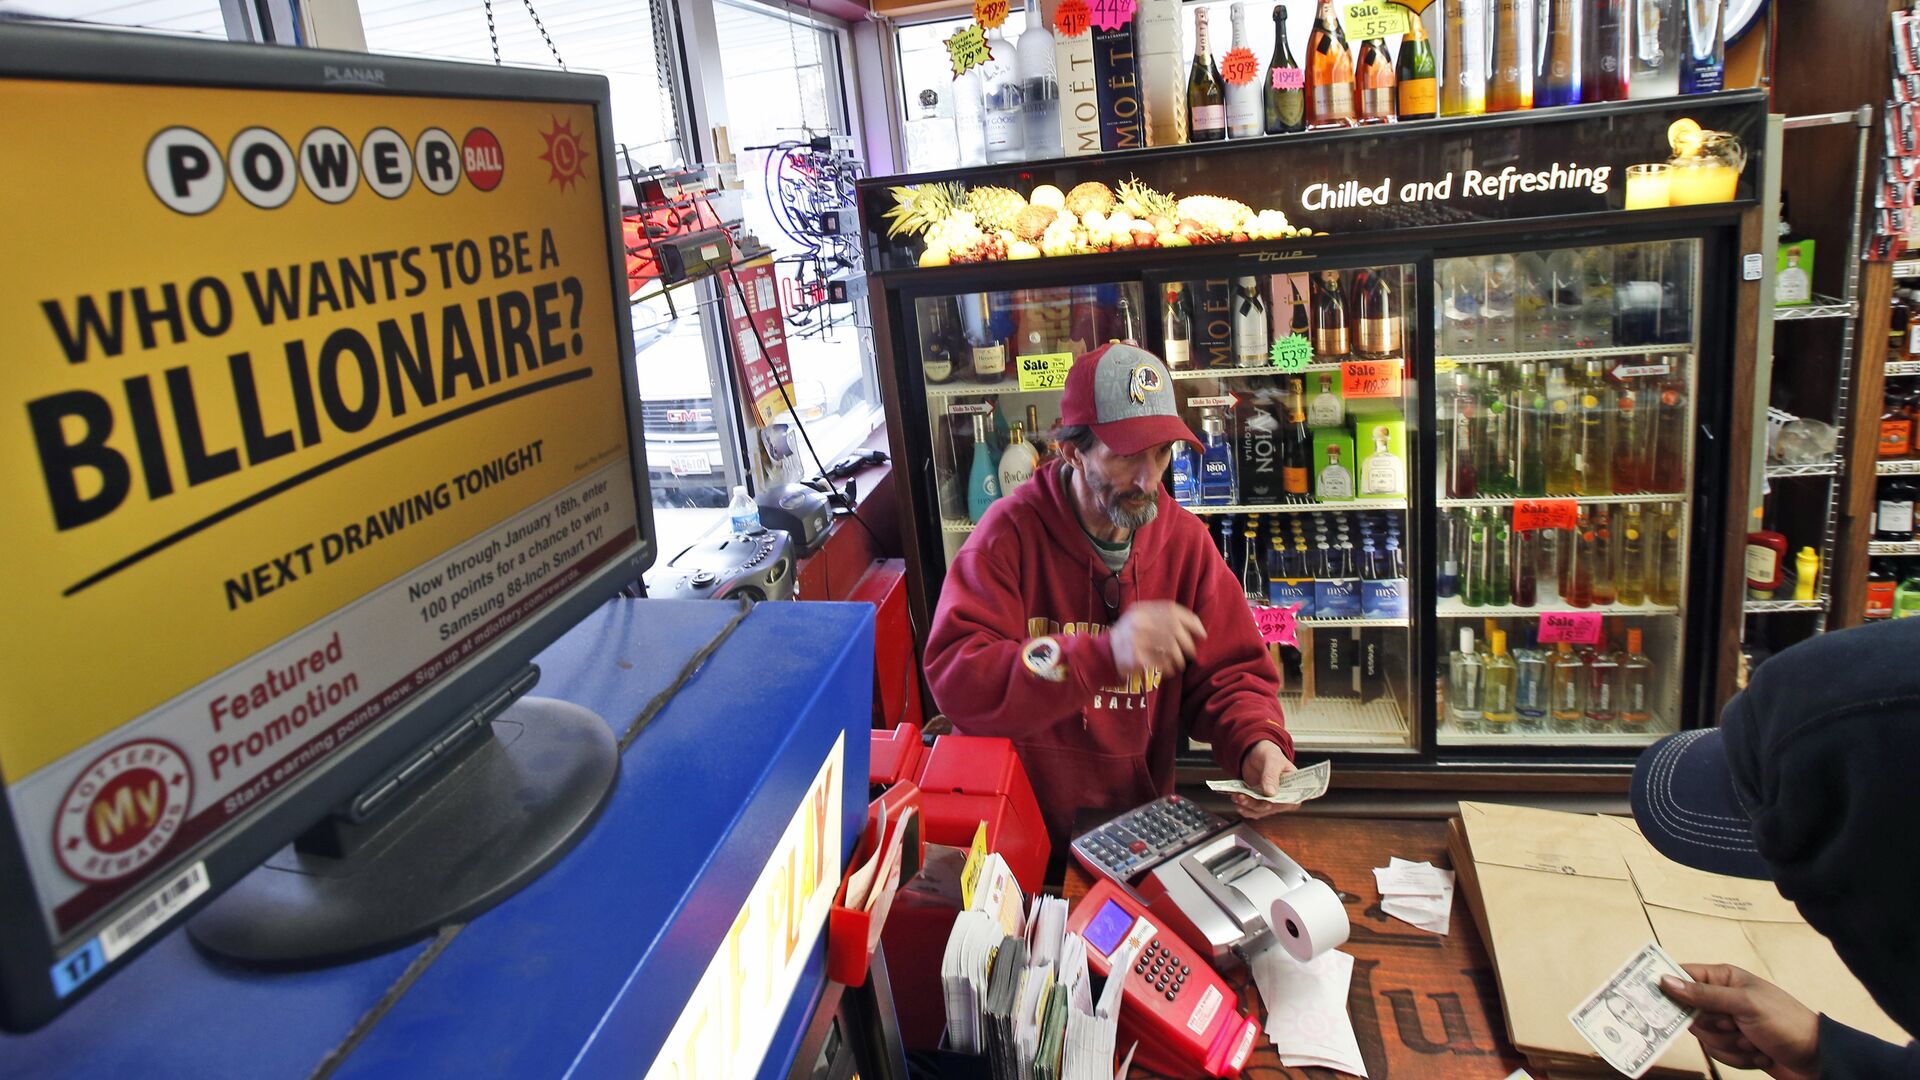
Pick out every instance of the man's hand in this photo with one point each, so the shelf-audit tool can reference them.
(1155, 634)
(1262, 769)
(1749, 1023)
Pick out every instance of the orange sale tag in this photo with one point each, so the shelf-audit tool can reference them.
(1370, 379)
(1530, 514)
(1239, 67)
(990, 13)
(1072, 18)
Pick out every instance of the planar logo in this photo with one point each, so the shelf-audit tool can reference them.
(123, 810)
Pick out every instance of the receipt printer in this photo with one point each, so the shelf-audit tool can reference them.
(1237, 895)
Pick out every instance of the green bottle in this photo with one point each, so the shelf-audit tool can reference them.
(1479, 558)
(1285, 92)
(1906, 598)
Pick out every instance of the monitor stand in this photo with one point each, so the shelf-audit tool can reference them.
(508, 807)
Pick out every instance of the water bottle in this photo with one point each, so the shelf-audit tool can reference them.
(745, 514)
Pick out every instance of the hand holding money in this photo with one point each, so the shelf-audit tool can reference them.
(1286, 791)
(1747, 1022)
(1631, 1020)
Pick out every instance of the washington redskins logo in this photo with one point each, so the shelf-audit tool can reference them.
(1145, 380)
(123, 810)
(1042, 657)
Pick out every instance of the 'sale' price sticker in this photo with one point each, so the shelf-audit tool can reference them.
(1292, 78)
(1044, 371)
(1370, 379)
(1572, 627)
(968, 49)
(1532, 514)
(1291, 353)
(1072, 18)
(1377, 19)
(990, 13)
(1112, 14)
(1278, 625)
(1239, 67)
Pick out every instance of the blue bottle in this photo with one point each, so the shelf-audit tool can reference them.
(984, 485)
(1217, 486)
(1186, 475)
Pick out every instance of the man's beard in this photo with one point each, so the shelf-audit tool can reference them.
(1117, 511)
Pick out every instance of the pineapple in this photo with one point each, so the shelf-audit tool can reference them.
(1090, 196)
(1215, 214)
(1032, 222)
(1049, 196)
(1143, 202)
(920, 207)
(995, 207)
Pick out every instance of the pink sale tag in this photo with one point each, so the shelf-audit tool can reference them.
(1573, 627)
(1113, 14)
(1289, 79)
(1277, 624)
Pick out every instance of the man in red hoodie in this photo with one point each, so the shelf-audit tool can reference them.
(1089, 615)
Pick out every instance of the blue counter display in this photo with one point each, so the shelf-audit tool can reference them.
(591, 970)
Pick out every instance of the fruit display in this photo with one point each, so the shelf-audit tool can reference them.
(990, 224)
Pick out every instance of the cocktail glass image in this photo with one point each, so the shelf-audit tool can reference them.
(1647, 186)
(1706, 169)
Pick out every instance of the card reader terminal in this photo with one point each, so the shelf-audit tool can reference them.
(1127, 847)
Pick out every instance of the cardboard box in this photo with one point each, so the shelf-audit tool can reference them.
(1333, 481)
(1793, 273)
(1380, 439)
(1079, 96)
(1163, 71)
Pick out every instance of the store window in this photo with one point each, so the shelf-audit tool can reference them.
(192, 18)
(927, 89)
(784, 86)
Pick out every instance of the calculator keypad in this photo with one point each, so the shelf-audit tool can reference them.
(1143, 838)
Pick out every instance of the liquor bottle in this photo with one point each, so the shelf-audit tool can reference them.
(1510, 86)
(1416, 77)
(1565, 278)
(1039, 86)
(1018, 461)
(1336, 480)
(1385, 473)
(1260, 456)
(1217, 481)
(1906, 598)
(1603, 555)
(1179, 327)
(1560, 77)
(1566, 689)
(1206, 96)
(1527, 415)
(1186, 474)
(1882, 582)
(1593, 449)
(1473, 590)
(1655, 52)
(1496, 303)
(1465, 684)
(1499, 544)
(940, 340)
(1576, 562)
(1632, 584)
(1663, 575)
(1226, 540)
(1330, 339)
(1531, 694)
(1495, 437)
(1296, 446)
(1896, 429)
(1563, 472)
(1500, 708)
(1461, 286)
(1329, 72)
(1604, 67)
(1246, 116)
(1635, 700)
(1670, 437)
(1603, 688)
(1463, 477)
(1453, 539)
(1037, 437)
(1375, 84)
(1006, 117)
(1530, 303)
(1523, 580)
(1632, 436)
(1253, 577)
(1327, 409)
(1297, 320)
(1703, 52)
(1463, 86)
(986, 351)
(970, 118)
(1249, 323)
(1594, 330)
(984, 485)
(1379, 318)
(1285, 87)
(1893, 510)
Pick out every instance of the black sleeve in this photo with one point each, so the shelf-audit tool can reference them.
(1846, 1054)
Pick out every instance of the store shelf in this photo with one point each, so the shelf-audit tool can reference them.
(1893, 547)
(1452, 608)
(1823, 468)
(1898, 467)
(1357, 624)
(1585, 500)
(1898, 368)
(1822, 307)
(1452, 736)
(1186, 374)
(1569, 354)
(1907, 268)
(1342, 723)
(953, 390)
(1774, 607)
(948, 525)
(1301, 508)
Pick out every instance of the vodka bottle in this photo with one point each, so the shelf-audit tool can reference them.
(1039, 86)
(1006, 103)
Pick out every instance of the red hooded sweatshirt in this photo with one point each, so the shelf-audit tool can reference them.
(1019, 650)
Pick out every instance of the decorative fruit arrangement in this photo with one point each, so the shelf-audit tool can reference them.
(989, 224)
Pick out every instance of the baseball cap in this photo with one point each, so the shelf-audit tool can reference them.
(1124, 394)
(1810, 781)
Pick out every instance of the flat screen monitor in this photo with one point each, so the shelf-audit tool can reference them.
(321, 423)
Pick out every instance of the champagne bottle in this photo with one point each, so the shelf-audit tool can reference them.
(1285, 87)
(1329, 72)
(1558, 80)
(1375, 83)
(1179, 327)
(940, 340)
(1206, 98)
(1330, 339)
(1379, 319)
(1511, 86)
(1415, 76)
(1296, 446)
(1245, 113)
(1249, 323)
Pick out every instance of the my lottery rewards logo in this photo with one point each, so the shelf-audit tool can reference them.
(566, 153)
(190, 174)
(123, 811)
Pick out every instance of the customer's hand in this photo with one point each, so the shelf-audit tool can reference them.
(1749, 1023)
(1262, 769)
(1155, 634)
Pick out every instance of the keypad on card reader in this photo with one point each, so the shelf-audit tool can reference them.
(1142, 838)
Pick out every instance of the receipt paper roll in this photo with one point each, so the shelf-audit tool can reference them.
(1309, 919)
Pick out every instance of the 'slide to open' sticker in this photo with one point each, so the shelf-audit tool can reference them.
(1573, 627)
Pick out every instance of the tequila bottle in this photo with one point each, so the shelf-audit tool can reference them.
(1465, 673)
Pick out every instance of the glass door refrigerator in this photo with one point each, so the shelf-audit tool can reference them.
(1465, 393)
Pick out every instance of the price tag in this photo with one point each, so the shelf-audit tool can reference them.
(1278, 625)
(1573, 627)
(1239, 67)
(1370, 379)
(1071, 18)
(990, 13)
(1223, 401)
(1044, 371)
(1531, 514)
(1292, 78)
(1442, 365)
(1111, 14)
(976, 858)
(1377, 19)
(1292, 353)
(968, 49)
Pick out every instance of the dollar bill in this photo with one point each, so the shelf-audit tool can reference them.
(1295, 787)
(1629, 1020)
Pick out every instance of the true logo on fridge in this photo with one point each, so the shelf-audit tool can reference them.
(191, 175)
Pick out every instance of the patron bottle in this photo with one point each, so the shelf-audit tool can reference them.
(1285, 87)
(1329, 72)
(1206, 96)
(1416, 79)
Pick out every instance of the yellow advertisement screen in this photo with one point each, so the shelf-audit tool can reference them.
(314, 396)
